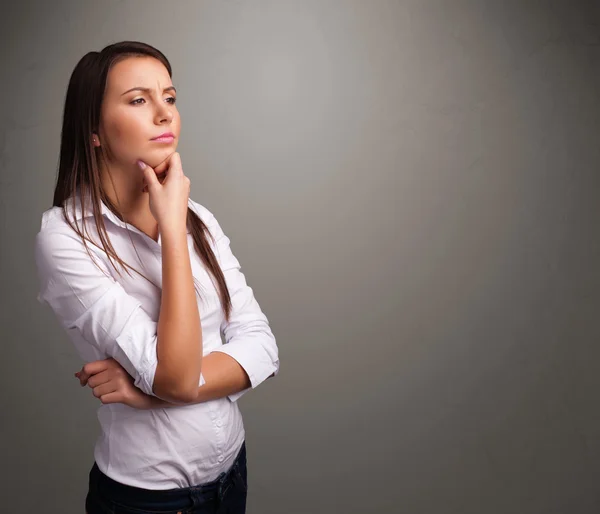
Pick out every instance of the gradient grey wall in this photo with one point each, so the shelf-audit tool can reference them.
(412, 190)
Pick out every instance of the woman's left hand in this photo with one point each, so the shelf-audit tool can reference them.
(112, 384)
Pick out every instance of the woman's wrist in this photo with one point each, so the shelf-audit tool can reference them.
(172, 230)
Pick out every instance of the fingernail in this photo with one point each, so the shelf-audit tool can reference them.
(141, 165)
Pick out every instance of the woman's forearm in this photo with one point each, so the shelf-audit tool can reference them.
(223, 376)
(179, 347)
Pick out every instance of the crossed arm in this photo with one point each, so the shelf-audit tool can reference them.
(223, 376)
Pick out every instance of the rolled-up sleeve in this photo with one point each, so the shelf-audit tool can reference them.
(248, 336)
(89, 301)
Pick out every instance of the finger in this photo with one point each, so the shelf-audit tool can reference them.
(114, 397)
(159, 176)
(149, 175)
(109, 387)
(175, 164)
(99, 379)
(91, 368)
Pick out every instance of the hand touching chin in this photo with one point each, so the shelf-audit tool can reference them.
(157, 157)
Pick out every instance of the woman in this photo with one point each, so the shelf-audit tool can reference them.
(143, 280)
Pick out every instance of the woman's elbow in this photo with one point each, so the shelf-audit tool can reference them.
(174, 391)
(174, 395)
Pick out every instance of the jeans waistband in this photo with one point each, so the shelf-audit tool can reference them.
(117, 491)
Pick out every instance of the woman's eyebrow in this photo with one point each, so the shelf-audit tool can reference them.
(147, 90)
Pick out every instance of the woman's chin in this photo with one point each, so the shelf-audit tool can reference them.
(158, 156)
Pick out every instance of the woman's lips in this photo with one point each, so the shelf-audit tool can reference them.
(168, 139)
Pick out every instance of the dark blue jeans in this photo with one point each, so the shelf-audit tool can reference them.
(224, 495)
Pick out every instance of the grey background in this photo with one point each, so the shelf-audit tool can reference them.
(412, 190)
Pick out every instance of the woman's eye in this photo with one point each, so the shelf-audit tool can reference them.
(135, 102)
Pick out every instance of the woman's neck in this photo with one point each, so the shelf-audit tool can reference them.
(127, 196)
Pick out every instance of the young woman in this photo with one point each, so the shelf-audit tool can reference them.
(143, 280)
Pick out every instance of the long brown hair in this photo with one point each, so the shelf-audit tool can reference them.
(78, 162)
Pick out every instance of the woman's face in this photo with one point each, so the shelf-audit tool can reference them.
(131, 119)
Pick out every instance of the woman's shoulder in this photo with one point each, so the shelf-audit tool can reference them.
(53, 221)
(61, 228)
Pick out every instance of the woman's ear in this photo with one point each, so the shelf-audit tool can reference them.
(95, 139)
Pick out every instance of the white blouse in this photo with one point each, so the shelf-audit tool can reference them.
(114, 316)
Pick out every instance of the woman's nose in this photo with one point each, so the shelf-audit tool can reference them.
(165, 112)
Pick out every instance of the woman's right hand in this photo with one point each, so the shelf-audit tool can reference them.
(169, 199)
